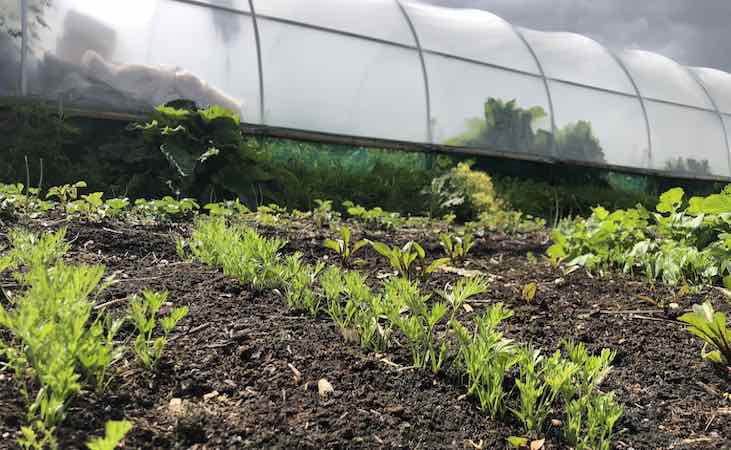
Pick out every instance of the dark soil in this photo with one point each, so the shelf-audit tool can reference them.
(228, 378)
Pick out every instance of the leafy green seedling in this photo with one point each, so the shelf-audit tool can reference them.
(54, 342)
(590, 421)
(143, 312)
(66, 193)
(710, 326)
(114, 432)
(116, 206)
(89, 207)
(240, 251)
(486, 358)
(343, 247)
(323, 214)
(419, 328)
(540, 382)
(456, 247)
(463, 290)
(529, 292)
(299, 280)
(226, 209)
(403, 259)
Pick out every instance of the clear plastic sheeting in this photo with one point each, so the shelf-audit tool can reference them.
(576, 58)
(226, 73)
(321, 81)
(379, 19)
(133, 57)
(238, 5)
(687, 142)
(718, 84)
(586, 133)
(10, 47)
(479, 106)
(394, 70)
(661, 78)
(471, 34)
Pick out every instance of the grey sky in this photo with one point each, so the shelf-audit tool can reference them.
(693, 32)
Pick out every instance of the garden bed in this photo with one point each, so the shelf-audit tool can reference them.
(242, 370)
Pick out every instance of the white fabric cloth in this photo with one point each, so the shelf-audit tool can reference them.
(155, 84)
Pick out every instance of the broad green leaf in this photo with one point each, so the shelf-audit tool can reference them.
(333, 245)
(382, 248)
(360, 244)
(345, 233)
(670, 201)
(517, 441)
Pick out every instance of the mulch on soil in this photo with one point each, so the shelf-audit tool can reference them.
(242, 370)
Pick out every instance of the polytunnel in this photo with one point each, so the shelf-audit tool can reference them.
(381, 71)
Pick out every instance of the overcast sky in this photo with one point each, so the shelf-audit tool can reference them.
(693, 32)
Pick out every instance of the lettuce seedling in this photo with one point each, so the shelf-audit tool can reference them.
(143, 312)
(114, 432)
(342, 246)
(710, 326)
(115, 207)
(226, 209)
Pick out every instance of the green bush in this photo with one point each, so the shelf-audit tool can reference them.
(389, 179)
(464, 192)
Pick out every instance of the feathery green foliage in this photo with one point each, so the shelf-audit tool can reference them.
(144, 312)
(115, 431)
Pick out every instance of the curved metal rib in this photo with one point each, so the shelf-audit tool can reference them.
(718, 112)
(554, 149)
(423, 70)
(22, 78)
(257, 38)
(639, 96)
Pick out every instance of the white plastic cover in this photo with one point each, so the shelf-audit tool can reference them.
(133, 55)
(588, 133)
(321, 81)
(10, 46)
(459, 93)
(228, 63)
(471, 34)
(380, 19)
(661, 78)
(718, 84)
(687, 141)
(239, 5)
(576, 58)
